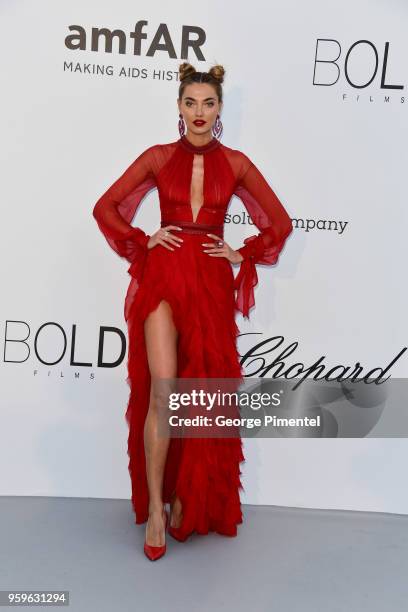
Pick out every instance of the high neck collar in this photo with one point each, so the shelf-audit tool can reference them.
(210, 146)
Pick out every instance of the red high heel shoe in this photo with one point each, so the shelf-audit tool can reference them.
(177, 534)
(155, 552)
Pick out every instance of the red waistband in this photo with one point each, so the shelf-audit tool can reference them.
(195, 228)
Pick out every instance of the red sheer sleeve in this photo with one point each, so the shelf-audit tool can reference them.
(274, 223)
(117, 206)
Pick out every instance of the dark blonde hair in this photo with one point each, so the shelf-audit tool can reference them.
(188, 75)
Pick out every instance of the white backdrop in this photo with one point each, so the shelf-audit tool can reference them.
(336, 156)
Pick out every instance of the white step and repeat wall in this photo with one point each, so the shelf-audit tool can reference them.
(315, 95)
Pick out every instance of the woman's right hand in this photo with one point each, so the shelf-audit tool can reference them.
(164, 237)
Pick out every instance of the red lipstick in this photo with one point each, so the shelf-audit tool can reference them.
(199, 122)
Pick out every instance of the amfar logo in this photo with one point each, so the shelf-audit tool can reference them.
(362, 57)
(102, 39)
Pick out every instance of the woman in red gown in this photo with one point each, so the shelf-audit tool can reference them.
(180, 306)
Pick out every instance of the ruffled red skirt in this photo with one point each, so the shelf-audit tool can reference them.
(203, 472)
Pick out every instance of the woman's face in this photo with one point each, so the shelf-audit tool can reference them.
(199, 107)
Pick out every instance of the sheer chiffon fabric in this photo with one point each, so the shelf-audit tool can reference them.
(204, 472)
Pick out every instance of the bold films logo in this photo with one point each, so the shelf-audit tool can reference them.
(363, 67)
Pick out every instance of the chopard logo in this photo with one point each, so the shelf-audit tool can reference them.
(140, 41)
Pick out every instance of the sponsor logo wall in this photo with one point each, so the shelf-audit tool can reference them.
(317, 99)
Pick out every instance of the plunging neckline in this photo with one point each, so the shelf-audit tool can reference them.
(198, 150)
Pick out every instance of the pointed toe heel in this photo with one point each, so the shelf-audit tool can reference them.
(155, 552)
(177, 534)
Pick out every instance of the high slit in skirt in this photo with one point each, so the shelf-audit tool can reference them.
(203, 472)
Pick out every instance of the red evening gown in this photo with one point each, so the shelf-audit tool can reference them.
(204, 472)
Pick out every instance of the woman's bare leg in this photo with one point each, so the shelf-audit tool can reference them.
(176, 512)
(161, 345)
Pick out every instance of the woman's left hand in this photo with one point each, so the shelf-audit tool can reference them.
(224, 251)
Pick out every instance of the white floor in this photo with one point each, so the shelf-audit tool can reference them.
(284, 559)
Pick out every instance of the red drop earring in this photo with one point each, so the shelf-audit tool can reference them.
(181, 125)
(217, 127)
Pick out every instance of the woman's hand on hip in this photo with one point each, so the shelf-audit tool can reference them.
(164, 237)
(225, 250)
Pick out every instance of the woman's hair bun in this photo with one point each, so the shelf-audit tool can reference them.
(188, 75)
(217, 72)
(185, 70)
